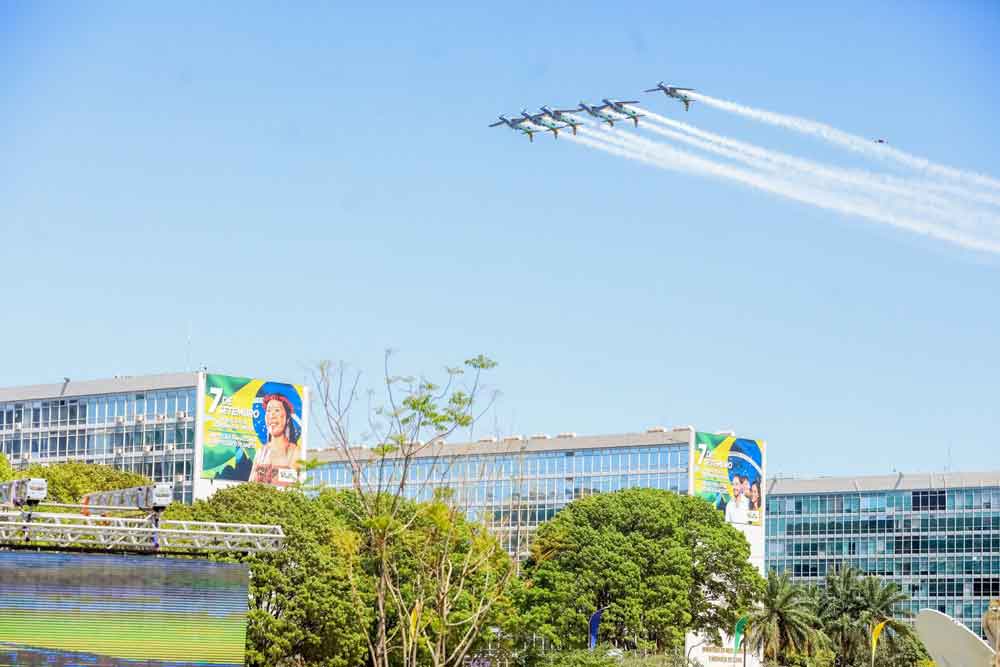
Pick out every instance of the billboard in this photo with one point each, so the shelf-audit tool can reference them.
(60, 609)
(729, 473)
(252, 430)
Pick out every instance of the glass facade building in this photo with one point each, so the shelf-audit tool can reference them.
(515, 484)
(144, 425)
(936, 535)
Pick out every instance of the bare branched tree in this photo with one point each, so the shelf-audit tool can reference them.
(432, 577)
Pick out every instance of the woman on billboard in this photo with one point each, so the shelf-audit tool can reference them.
(277, 462)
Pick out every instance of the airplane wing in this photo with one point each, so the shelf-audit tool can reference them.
(629, 102)
(499, 122)
(653, 90)
(601, 107)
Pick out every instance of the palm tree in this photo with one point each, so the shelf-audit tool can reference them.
(878, 600)
(850, 606)
(784, 621)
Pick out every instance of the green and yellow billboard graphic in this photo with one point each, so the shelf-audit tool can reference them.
(252, 430)
(729, 473)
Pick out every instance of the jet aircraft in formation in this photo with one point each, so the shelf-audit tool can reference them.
(599, 113)
(515, 124)
(545, 121)
(675, 92)
(552, 120)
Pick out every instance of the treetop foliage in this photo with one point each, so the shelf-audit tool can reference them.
(662, 564)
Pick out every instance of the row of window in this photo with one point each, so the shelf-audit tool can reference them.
(80, 443)
(524, 465)
(887, 501)
(887, 567)
(559, 490)
(94, 410)
(903, 545)
(971, 520)
(159, 469)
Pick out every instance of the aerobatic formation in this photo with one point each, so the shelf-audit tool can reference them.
(552, 120)
(902, 190)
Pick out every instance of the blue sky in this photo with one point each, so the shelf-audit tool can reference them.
(283, 186)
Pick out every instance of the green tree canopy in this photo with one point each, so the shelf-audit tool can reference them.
(301, 612)
(6, 469)
(450, 576)
(663, 564)
(68, 482)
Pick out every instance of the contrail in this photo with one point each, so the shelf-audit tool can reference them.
(928, 202)
(751, 149)
(619, 143)
(851, 142)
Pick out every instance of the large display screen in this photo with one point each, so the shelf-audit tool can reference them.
(120, 611)
(729, 473)
(253, 430)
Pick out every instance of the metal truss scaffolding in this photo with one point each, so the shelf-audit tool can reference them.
(148, 534)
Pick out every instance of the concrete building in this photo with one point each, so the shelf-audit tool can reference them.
(515, 484)
(936, 534)
(154, 425)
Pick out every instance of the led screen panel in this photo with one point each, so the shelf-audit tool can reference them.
(63, 610)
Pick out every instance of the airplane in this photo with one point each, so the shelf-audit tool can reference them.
(598, 112)
(623, 110)
(562, 116)
(540, 120)
(515, 124)
(880, 141)
(675, 92)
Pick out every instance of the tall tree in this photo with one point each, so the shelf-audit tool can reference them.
(435, 580)
(301, 612)
(661, 564)
(784, 622)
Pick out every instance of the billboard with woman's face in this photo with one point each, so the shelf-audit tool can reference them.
(729, 473)
(253, 430)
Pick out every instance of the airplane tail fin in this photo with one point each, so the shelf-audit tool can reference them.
(574, 130)
(636, 120)
(687, 105)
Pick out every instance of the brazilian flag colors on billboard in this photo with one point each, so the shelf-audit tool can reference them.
(729, 473)
(253, 430)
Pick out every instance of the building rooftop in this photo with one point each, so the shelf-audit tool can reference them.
(898, 481)
(535, 443)
(123, 383)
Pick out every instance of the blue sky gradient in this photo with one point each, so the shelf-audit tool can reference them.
(253, 188)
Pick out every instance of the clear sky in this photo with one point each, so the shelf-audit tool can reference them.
(254, 188)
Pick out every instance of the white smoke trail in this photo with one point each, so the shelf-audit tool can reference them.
(904, 193)
(851, 141)
(619, 143)
(917, 188)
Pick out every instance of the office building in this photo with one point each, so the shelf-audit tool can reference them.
(515, 484)
(155, 425)
(937, 535)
